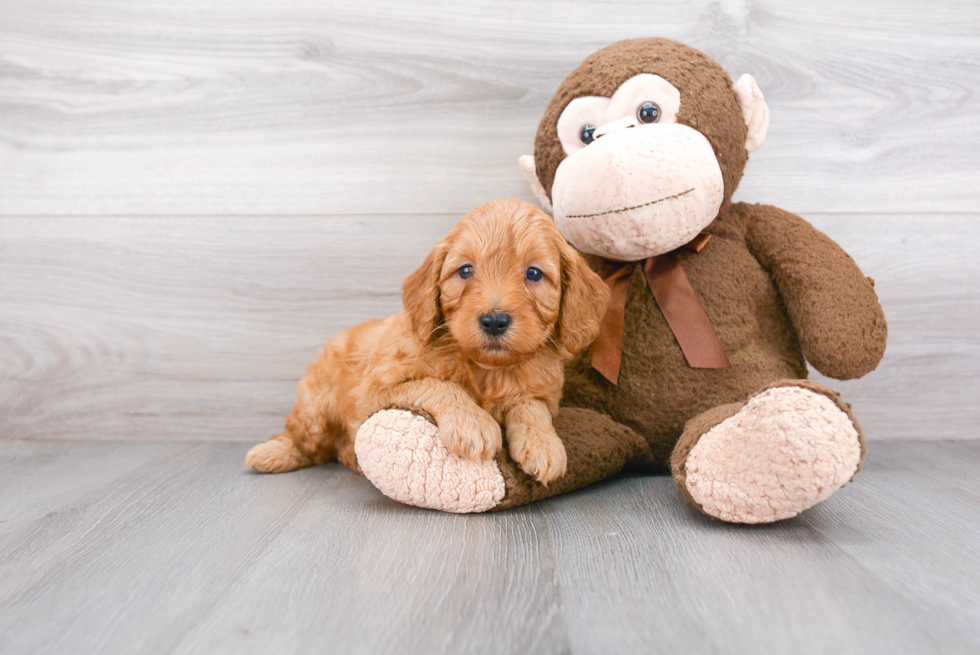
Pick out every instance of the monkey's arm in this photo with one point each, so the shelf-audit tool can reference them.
(833, 306)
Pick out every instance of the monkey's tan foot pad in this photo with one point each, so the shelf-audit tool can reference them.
(402, 455)
(784, 451)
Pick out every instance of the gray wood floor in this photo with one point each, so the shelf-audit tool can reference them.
(162, 547)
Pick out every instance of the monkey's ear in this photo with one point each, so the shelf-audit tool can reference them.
(755, 111)
(531, 173)
(420, 294)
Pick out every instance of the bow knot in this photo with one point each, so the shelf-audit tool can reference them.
(677, 300)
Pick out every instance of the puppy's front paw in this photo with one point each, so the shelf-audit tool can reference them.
(470, 433)
(540, 453)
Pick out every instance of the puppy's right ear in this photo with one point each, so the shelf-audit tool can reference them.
(420, 294)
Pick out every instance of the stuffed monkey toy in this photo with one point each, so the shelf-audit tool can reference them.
(700, 367)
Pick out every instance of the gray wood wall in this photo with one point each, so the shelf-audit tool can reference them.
(195, 194)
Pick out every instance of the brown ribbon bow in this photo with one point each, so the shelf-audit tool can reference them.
(677, 300)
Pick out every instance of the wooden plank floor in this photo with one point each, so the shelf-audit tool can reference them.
(163, 547)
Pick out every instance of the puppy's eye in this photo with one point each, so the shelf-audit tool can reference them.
(534, 274)
(586, 135)
(648, 112)
(466, 271)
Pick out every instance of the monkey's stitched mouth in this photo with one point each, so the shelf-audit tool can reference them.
(626, 209)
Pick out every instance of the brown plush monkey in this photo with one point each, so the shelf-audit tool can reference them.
(716, 309)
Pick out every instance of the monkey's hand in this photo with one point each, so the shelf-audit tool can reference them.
(833, 306)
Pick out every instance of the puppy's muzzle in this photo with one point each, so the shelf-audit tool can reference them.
(495, 324)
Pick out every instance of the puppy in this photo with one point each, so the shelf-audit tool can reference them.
(489, 321)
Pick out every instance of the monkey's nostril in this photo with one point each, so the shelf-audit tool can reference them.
(495, 323)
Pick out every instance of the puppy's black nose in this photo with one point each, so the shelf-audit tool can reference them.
(495, 323)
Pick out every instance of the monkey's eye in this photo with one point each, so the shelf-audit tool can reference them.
(466, 271)
(534, 274)
(648, 112)
(587, 134)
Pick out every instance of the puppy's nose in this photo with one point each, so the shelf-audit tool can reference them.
(495, 323)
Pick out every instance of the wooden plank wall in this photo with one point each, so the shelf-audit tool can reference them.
(194, 195)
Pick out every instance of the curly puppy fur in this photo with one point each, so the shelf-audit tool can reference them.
(435, 356)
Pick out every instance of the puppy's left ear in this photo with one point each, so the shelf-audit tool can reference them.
(420, 294)
(584, 297)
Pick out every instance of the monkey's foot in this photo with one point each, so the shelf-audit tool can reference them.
(402, 455)
(782, 452)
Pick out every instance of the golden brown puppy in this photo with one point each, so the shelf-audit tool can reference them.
(489, 321)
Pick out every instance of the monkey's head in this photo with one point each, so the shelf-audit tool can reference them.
(642, 147)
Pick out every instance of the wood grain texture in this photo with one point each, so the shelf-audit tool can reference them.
(382, 106)
(163, 547)
(194, 195)
(199, 328)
